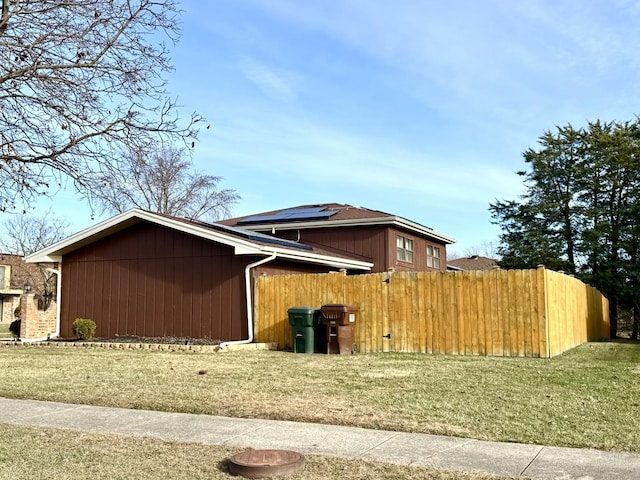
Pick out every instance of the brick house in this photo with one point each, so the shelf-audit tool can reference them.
(22, 282)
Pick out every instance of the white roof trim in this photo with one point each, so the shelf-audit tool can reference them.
(392, 220)
(54, 252)
(321, 259)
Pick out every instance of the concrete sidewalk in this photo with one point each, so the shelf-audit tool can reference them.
(448, 453)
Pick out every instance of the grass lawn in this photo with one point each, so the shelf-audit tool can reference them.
(30, 453)
(588, 397)
(4, 331)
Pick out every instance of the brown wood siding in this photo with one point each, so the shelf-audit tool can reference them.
(279, 267)
(153, 281)
(367, 242)
(376, 244)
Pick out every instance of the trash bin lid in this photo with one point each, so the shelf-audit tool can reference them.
(335, 307)
(302, 310)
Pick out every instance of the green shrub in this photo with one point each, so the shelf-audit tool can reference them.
(84, 328)
(14, 327)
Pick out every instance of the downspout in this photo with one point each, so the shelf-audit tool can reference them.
(56, 334)
(247, 284)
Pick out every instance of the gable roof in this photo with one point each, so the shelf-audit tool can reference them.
(242, 241)
(474, 262)
(330, 215)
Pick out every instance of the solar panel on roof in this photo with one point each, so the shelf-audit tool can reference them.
(261, 237)
(296, 214)
(309, 215)
(259, 219)
(306, 209)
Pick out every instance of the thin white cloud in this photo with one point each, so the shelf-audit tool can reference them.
(274, 82)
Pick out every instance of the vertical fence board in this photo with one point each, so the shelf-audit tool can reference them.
(541, 303)
(517, 300)
(474, 311)
(528, 313)
(402, 289)
(415, 315)
(463, 320)
(440, 312)
(484, 292)
(430, 317)
(384, 306)
(449, 326)
(420, 314)
(504, 310)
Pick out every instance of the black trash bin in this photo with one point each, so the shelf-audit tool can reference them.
(303, 327)
(339, 321)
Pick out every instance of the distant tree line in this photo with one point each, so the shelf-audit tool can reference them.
(580, 211)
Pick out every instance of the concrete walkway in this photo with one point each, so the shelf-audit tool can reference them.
(449, 453)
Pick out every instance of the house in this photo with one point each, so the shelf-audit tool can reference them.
(145, 274)
(18, 277)
(474, 262)
(388, 241)
(15, 274)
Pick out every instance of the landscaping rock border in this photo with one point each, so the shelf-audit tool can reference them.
(166, 347)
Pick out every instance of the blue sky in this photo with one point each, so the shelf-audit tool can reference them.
(417, 108)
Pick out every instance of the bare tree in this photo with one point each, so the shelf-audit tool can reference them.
(483, 249)
(25, 234)
(162, 180)
(79, 80)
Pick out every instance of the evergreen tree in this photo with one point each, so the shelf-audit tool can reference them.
(579, 213)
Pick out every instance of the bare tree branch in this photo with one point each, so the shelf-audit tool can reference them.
(4, 16)
(162, 180)
(74, 95)
(25, 234)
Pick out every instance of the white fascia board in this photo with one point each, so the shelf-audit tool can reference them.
(54, 252)
(386, 221)
(40, 257)
(304, 256)
(415, 227)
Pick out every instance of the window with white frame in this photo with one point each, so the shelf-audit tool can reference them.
(404, 248)
(433, 257)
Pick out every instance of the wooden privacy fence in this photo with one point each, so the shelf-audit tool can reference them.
(531, 313)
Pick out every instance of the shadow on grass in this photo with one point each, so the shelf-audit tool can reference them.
(619, 340)
(223, 465)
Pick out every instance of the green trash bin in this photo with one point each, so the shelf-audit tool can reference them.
(301, 320)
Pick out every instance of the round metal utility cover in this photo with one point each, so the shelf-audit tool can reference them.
(266, 463)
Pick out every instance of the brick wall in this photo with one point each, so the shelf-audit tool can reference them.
(9, 304)
(36, 323)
